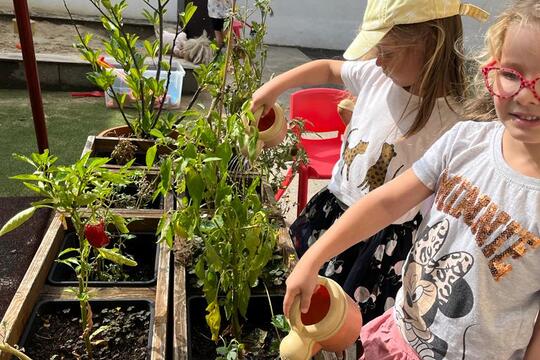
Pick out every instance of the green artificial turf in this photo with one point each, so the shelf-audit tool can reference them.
(70, 120)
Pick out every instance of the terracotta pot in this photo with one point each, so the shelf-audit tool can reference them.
(124, 131)
(332, 323)
(117, 131)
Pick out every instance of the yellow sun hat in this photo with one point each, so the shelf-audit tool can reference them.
(382, 15)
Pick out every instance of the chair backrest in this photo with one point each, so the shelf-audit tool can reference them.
(318, 107)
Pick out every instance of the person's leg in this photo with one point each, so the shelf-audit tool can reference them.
(217, 25)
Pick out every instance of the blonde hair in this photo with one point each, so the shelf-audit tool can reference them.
(443, 72)
(480, 105)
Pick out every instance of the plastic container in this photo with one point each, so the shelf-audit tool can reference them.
(174, 94)
(332, 323)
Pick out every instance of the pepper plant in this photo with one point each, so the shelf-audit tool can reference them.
(133, 58)
(79, 193)
(215, 174)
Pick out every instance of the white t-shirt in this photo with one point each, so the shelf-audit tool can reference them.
(374, 150)
(219, 9)
(471, 283)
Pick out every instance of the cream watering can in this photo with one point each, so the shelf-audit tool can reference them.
(332, 323)
(272, 126)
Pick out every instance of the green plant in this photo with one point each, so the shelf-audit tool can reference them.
(146, 92)
(7, 348)
(78, 192)
(232, 350)
(215, 176)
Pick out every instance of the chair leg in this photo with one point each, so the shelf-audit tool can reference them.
(284, 184)
(302, 189)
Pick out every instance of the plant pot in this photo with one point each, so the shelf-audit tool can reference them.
(259, 316)
(123, 131)
(117, 131)
(143, 249)
(54, 326)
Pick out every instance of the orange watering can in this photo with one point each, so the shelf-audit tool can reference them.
(332, 323)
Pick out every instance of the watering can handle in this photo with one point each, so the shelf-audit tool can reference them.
(295, 319)
(256, 114)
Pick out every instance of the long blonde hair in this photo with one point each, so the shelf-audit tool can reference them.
(480, 105)
(443, 72)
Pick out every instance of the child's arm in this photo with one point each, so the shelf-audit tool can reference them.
(533, 350)
(312, 73)
(366, 217)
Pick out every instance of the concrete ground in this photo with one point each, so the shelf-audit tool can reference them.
(281, 59)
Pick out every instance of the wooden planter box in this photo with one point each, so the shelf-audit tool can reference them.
(102, 146)
(180, 296)
(34, 289)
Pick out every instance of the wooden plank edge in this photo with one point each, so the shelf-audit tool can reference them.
(159, 337)
(180, 330)
(27, 294)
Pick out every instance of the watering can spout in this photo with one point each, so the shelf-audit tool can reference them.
(332, 323)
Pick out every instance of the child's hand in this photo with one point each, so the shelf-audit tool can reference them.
(263, 97)
(302, 282)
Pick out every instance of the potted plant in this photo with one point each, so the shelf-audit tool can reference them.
(146, 93)
(137, 76)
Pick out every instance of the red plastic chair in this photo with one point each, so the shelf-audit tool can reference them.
(318, 107)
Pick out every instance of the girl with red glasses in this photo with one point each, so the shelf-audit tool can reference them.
(471, 282)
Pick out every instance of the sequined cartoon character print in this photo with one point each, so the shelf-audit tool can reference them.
(349, 154)
(432, 285)
(377, 173)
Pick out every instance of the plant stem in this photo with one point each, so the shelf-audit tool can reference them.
(122, 112)
(271, 308)
(82, 280)
(15, 352)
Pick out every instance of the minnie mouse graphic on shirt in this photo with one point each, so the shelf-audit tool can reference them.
(432, 285)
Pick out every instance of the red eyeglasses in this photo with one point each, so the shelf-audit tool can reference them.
(506, 83)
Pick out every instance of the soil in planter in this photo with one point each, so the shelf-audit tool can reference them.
(55, 330)
(258, 334)
(19, 246)
(142, 248)
(131, 197)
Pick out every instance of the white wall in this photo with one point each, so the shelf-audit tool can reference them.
(327, 24)
(332, 24)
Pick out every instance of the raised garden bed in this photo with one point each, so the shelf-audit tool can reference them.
(54, 329)
(33, 288)
(188, 304)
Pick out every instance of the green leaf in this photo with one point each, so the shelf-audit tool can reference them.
(157, 134)
(165, 172)
(116, 257)
(151, 156)
(30, 177)
(119, 222)
(16, 221)
(195, 185)
(187, 14)
(67, 251)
